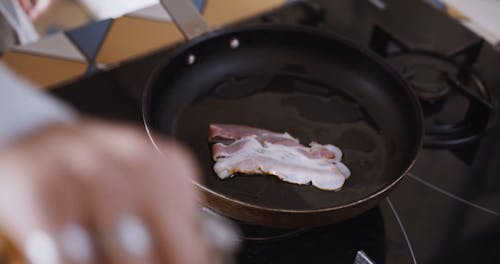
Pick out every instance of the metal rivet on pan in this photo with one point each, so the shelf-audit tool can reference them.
(191, 59)
(235, 43)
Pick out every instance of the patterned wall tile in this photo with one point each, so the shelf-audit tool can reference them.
(99, 45)
(154, 12)
(90, 37)
(42, 70)
(57, 45)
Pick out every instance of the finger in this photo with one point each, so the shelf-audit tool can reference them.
(70, 223)
(122, 235)
(171, 189)
(128, 142)
(45, 203)
(169, 195)
(143, 161)
(39, 8)
(26, 5)
(23, 222)
(75, 240)
(50, 190)
(98, 176)
(132, 145)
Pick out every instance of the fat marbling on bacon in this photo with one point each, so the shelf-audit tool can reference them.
(248, 150)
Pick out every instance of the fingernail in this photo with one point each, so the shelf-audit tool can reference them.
(76, 244)
(40, 248)
(133, 236)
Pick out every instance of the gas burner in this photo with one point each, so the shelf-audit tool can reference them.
(455, 101)
(429, 74)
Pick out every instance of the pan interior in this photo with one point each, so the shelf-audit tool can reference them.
(317, 90)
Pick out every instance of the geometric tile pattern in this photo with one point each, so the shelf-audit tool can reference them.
(55, 45)
(90, 37)
(154, 12)
(65, 56)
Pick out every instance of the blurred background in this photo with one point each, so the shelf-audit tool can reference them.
(68, 14)
(480, 16)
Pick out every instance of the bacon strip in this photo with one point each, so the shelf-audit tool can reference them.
(248, 150)
(227, 134)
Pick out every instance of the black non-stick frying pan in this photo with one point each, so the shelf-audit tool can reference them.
(316, 86)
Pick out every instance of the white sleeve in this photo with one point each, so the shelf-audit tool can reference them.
(13, 13)
(23, 109)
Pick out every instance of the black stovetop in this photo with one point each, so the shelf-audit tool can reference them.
(446, 210)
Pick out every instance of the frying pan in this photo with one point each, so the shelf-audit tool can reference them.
(314, 85)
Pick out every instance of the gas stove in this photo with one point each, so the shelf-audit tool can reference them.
(447, 208)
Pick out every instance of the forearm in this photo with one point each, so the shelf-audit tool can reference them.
(24, 109)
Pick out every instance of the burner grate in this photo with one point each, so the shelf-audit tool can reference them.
(455, 100)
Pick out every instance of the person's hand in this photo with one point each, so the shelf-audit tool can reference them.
(99, 193)
(35, 8)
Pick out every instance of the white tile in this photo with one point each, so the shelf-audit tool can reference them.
(154, 12)
(55, 45)
(104, 9)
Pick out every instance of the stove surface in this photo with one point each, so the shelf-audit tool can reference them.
(446, 210)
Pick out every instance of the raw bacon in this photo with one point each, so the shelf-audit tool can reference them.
(242, 149)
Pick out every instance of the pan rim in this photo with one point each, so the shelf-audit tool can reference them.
(183, 47)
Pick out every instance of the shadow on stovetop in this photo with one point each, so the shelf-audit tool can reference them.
(330, 244)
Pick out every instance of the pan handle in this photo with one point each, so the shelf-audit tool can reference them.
(186, 17)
